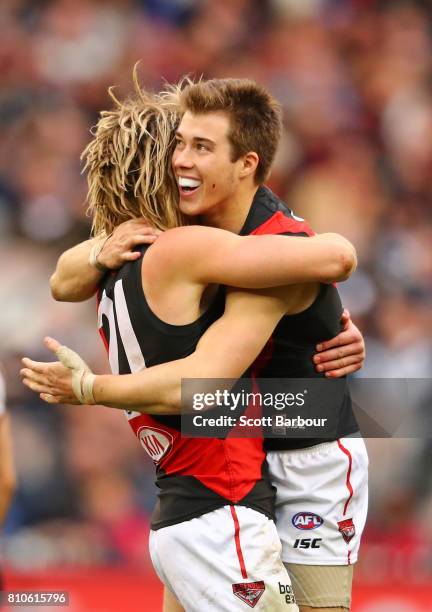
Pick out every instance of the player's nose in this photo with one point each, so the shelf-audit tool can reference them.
(182, 158)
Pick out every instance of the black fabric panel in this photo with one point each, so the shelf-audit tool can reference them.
(182, 498)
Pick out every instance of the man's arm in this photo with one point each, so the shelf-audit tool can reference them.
(226, 350)
(220, 353)
(212, 255)
(217, 256)
(76, 279)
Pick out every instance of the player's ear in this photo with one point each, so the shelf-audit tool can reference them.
(250, 162)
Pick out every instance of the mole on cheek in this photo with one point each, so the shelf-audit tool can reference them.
(213, 186)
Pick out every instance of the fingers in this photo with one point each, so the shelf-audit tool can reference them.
(28, 374)
(48, 379)
(36, 386)
(120, 246)
(131, 256)
(49, 399)
(328, 344)
(337, 364)
(143, 238)
(58, 399)
(350, 369)
(48, 393)
(36, 366)
(354, 348)
(134, 225)
(146, 236)
(350, 336)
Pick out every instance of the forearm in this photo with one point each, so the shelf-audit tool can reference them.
(254, 262)
(324, 258)
(155, 390)
(158, 390)
(75, 279)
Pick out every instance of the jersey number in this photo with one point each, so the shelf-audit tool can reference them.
(118, 319)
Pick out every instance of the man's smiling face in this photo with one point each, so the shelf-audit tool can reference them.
(202, 162)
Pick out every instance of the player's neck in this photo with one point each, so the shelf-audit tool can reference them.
(231, 214)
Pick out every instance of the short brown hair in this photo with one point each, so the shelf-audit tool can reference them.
(128, 163)
(255, 116)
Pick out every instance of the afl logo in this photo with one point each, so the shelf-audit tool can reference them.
(156, 442)
(307, 520)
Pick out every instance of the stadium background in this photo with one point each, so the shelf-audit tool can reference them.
(355, 79)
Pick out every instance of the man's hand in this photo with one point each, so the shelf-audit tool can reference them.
(68, 381)
(343, 354)
(119, 247)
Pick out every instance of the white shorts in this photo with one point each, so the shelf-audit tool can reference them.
(321, 501)
(227, 560)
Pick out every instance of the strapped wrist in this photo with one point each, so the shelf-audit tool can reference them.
(93, 257)
(82, 385)
(87, 380)
(95, 251)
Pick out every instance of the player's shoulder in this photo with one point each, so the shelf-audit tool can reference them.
(271, 215)
(284, 222)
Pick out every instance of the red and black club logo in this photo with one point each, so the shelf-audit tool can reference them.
(249, 592)
(347, 529)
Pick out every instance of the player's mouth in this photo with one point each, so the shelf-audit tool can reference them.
(188, 186)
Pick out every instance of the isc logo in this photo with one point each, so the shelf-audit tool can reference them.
(155, 441)
(307, 520)
(308, 543)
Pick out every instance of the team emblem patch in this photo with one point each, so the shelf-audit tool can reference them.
(249, 592)
(307, 520)
(347, 529)
(156, 442)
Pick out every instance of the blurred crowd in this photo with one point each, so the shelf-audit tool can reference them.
(355, 81)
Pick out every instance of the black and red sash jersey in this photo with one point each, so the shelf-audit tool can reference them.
(289, 352)
(194, 475)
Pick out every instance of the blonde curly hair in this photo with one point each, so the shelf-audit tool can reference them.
(128, 162)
